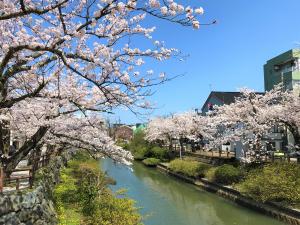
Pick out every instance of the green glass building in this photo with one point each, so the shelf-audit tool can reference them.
(284, 68)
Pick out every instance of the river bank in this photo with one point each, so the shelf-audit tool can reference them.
(279, 212)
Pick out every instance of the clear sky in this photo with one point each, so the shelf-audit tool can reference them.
(222, 57)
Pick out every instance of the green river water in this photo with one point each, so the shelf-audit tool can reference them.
(165, 200)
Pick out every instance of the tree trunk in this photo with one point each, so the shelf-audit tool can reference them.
(35, 155)
(181, 147)
(193, 146)
(12, 162)
(170, 144)
(295, 131)
(2, 151)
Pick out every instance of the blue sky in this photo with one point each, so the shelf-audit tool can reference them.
(222, 57)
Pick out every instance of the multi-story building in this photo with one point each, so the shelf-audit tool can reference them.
(285, 69)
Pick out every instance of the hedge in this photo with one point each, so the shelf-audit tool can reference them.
(151, 161)
(275, 182)
(188, 167)
(228, 174)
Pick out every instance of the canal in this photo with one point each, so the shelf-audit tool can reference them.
(165, 200)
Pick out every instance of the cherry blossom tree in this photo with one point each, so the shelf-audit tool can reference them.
(285, 112)
(63, 58)
(251, 117)
(241, 120)
(182, 126)
(160, 129)
(66, 131)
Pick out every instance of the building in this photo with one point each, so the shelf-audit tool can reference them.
(219, 98)
(139, 127)
(224, 98)
(272, 141)
(122, 132)
(284, 68)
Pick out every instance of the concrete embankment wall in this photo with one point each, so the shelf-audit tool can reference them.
(282, 213)
(33, 206)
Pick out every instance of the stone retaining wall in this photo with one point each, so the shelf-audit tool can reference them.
(285, 214)
(33, 206)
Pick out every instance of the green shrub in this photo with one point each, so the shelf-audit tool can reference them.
(158, 152)
(228, 174)
(137, 141)
(142, 149)
(65, 197)
(151, 161)
(81, 156)
(140, 153)
(116, 210)
(124, 145)
(66, 190)
(210, 174)
(189, 168)
(102, 207)
(275, 182)
(90, 181)
(139, 147)
(83, 197)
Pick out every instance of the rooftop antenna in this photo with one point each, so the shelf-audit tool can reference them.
(210, 87)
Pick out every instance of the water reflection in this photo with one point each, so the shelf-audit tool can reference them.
(172, 202)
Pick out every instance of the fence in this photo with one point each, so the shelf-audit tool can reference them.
(42, 162)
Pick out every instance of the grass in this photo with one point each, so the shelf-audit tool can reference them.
(70, 216)
(67, 209)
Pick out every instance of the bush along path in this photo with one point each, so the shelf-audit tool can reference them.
(83, 197)
(272, 189)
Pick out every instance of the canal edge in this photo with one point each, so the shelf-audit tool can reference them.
(281, 213)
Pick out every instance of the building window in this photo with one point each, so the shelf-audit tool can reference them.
(296, 82)
(290, 66)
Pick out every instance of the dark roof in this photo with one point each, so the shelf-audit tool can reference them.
(225, 97)
(118, 125)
